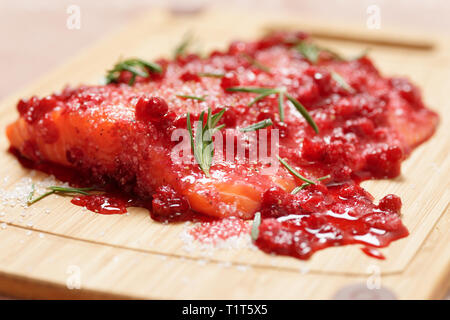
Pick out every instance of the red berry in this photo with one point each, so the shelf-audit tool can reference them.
(312, 150)
(23, 106)
(35, 109)
(189, 76)
(229, 118)
(390, 203)
(167, 202)
(229, 80)
(151, 108)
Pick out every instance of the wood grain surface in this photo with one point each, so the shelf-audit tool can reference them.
(132, 256)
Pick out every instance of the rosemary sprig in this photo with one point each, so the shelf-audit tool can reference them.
(256, 126)
(256, 63)
(306, 184)
(211, 74)
(137, 67)
(185, 96)
(300, 108)
(202, 146)
(255, 226)
(282, 93)
(311, 52)
(31, 194)
(252, 90)
(183, 45)
(294, 172)
(341, 81)
(60, 190)
(280, 104)
(262, 96)
(308, 50)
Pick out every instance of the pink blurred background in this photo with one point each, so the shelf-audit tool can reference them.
(34, 37)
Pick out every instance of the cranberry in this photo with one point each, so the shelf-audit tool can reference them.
(388, 222)
(312, 199)
(150, 108)
(167, 202)
(384, 162)
(181, 122)
(229, 118)
(24, 105)
(273, 238)
(361, 127)
(35, 109)
(229, 80)
(237, 47)
(313, 150)
(282, 127)
(277, 202)
(188, 76)
(390, 203)
(166, 121)
(185, 59)
(408, 92)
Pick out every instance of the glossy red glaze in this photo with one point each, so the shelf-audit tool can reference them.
(102, 203)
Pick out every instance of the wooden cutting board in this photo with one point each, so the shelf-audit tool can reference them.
(51, 248)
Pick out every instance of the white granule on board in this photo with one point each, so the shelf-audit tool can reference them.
(17, 194)
(207, 245)
(303, 269)
(225, 264)
(242, 267)
(3, 225)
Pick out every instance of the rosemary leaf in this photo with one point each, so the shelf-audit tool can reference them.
(306, 184)
(261, 96)
(71, 190)
(251, 89)
(280, 105)
(185, 96)
(256, 63)
(264, 92)
(211, 74)
(40, 197)
(294, 172)
(256, 126)
(184, 44)
(31, 194)
(303, 112)
(202, 145)
(309, 51)
(255, 226)
(341, 81)
(61, 190)
(137, 67)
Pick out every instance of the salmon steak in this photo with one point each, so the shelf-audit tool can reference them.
(278, 130)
